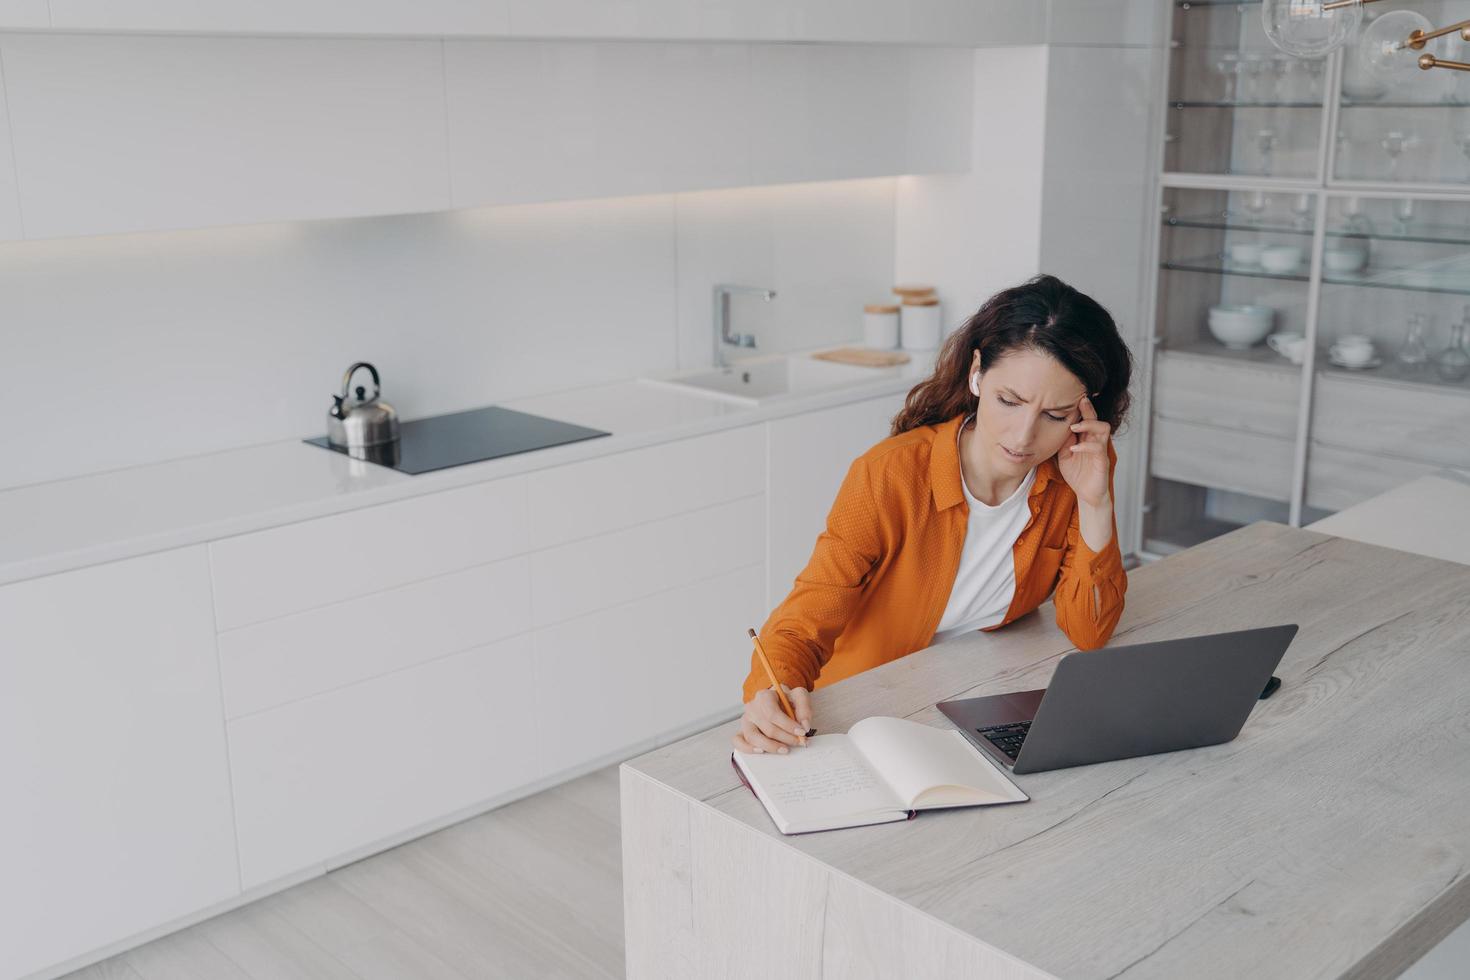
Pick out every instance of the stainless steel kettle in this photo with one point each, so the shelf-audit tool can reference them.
(366, 422)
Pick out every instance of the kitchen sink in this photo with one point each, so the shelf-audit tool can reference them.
(759, 380)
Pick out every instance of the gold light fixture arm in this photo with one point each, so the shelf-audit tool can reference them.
(1418, 39)
(1428, 61)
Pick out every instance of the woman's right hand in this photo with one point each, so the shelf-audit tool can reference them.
(766, 728)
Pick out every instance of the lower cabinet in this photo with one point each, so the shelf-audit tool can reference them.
(116, 813)
(133, 716)
(609, 680)
(809, 455)
(632, 634)
(326, 775)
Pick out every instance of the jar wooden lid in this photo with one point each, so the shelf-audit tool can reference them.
(881, 308)
(921, 301)
(907, 291)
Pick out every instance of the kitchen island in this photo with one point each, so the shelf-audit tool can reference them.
(1330, 839)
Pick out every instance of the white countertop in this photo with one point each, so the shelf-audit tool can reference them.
(53, 527)
(1425, 516)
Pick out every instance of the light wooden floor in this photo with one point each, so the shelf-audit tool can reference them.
(532, 889)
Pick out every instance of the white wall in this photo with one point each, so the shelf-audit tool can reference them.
(972, 234)
(125, 349)
(1061, 148)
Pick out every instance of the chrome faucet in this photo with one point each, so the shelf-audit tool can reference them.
(723, 336)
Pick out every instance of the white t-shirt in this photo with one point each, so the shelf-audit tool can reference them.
(986, 582)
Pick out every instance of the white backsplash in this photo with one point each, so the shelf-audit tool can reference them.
(126, 349)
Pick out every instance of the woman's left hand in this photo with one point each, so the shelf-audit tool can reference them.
(1083, 458)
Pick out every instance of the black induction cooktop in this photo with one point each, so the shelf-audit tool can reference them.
(442, 441)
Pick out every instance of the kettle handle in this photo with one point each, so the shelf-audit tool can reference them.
(347, 380)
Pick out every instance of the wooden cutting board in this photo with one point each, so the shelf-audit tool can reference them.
(864, 356)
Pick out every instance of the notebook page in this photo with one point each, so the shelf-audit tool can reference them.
(914, 757)
(819, 783)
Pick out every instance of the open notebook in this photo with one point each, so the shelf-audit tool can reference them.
(882, 770)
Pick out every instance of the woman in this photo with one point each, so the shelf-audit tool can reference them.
(995, 489)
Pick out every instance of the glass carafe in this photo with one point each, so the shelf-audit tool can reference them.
(1413, 353)
(1453, 363)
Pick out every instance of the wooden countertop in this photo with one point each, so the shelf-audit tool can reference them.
(1330, 839)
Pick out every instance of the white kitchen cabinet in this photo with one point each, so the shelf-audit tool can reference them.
(830, 112)
(28, 14)
(971, 22)
(613, 678)
(608, 493)
(10, 225)
(431, 17)
(809, 456)
(597, 573)
(116, 814)
(317, 778)
(118, 133)
(526, 117)
(139, 132)
(322, 649)
(288, 569)
(555, 120)
(357, 718)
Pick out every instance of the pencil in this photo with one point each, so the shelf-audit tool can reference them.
(760, 651)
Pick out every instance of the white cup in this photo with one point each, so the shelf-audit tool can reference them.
(1353, 350)
(1289, 344)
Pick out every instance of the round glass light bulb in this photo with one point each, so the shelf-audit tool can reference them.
(1303, 29)
(1384, 45)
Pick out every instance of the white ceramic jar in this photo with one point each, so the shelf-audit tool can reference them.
(880, 325)
(920, 323)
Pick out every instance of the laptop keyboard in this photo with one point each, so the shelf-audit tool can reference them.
(1007, 738)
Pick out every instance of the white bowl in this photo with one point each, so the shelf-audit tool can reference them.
(1245, 253)
(1345, 258)
(1240, 327)
(1281, 258)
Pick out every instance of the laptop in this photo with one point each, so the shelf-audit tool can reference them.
(1128, 701)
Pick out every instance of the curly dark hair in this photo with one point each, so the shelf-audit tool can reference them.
(1042, 314)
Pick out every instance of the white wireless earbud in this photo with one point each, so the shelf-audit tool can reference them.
(975, 382)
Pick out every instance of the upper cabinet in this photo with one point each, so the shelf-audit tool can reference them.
(540, 121)
(1404, 127)
(10, 226)
(119, 133)
(139, 133)
(1236, 104)
(965, 22)
(117, 814)
(24, 13)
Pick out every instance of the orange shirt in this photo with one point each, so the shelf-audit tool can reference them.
(880, 575)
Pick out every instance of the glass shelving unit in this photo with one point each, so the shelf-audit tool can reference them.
(1336, 208)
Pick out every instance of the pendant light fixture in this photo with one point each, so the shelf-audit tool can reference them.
(1392, 45)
